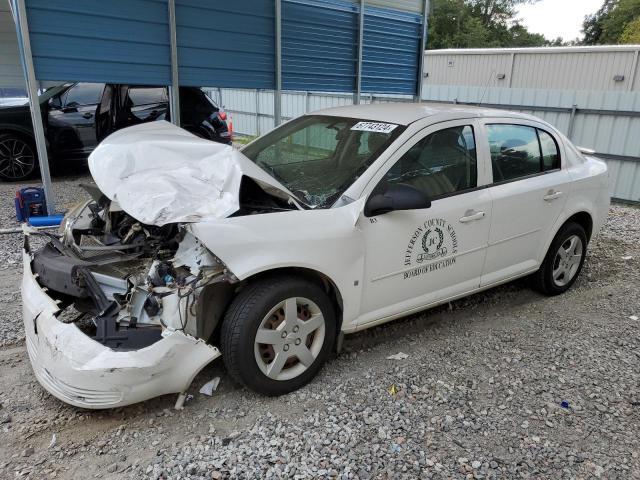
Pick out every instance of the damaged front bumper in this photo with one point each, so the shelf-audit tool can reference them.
(82, 372)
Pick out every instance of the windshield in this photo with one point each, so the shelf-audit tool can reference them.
(318, 157)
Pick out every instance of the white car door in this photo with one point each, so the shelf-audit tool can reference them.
(414, 258)
(529, 191)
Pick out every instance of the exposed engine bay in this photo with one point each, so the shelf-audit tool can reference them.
(129, 282)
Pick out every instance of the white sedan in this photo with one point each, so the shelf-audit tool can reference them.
(334, 222)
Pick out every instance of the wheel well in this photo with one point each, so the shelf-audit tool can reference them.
(19, 133)
(309, 274)
(584, 220)
(314, 276)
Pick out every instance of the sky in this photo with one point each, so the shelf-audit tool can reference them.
(558, 18)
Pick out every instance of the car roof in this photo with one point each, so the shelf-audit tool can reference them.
(405, 113)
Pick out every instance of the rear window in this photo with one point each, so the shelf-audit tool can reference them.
(519, 151)
(147, 95)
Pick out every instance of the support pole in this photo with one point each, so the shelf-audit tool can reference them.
(357, 96)
(34, 104)
(634, 71)
(257, 112)
(423, 46)
(174, 89)
(277, 94)
(572, 121)
(511, 69)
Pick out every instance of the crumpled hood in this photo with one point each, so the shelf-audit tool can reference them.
(159, 173)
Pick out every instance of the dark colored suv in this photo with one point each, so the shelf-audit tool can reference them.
(77, 116)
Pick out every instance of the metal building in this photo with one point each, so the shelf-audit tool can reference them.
(11, 76)
(592, 94)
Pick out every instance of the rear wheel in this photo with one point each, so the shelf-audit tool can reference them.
(18, 160)
(563, 261)
(277, 334)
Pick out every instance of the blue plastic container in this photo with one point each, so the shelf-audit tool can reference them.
(49, 221)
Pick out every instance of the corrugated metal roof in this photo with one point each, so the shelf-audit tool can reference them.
(229, 44)
(319, 45)
(391, 51)
(70, 41)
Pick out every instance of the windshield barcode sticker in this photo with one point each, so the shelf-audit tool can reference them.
(374, 127)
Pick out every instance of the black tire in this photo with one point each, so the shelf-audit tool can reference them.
(18, 158)
(245, 315)
(543, 279)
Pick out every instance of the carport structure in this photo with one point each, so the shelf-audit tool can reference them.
(359, 46)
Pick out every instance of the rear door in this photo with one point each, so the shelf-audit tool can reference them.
(529, 190)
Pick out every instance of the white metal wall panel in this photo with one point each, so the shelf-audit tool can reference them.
(565, 68)
(625, 180)
(11, 75)
(457, 69)
(573, 71)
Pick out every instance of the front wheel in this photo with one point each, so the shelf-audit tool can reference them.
(563, 262)
(277, 334)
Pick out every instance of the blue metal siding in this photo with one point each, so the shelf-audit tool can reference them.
(319, 45)
(226, 44)
(116, 41)
(391, 51)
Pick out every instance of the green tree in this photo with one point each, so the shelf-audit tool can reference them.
(609, 24)
(479, 24)
(496, 12)
(631, 33)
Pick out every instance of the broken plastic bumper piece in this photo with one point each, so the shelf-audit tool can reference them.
(82, 372)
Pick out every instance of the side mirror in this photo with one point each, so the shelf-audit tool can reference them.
(396, 197)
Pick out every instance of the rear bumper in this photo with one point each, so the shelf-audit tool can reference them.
(82, 372)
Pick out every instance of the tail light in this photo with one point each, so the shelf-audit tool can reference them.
(222, 115)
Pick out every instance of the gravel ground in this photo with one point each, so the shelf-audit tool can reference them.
(480, 395)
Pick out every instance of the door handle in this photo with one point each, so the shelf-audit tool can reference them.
(87, 115)
(472, 216)
(552, 195)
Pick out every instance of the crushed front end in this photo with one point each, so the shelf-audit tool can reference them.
(112, 308)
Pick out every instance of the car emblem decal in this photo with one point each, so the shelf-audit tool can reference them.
(439, 245)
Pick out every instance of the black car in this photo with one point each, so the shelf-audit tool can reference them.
(77, 116)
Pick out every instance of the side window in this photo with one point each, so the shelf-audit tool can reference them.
(147, 96)
(550, 153)
(515, 151)
(440, 164)
(518, 151)
(83, 94)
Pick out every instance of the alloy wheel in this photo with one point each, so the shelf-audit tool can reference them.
(289, 338)
(567, 260)
(17, 160)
